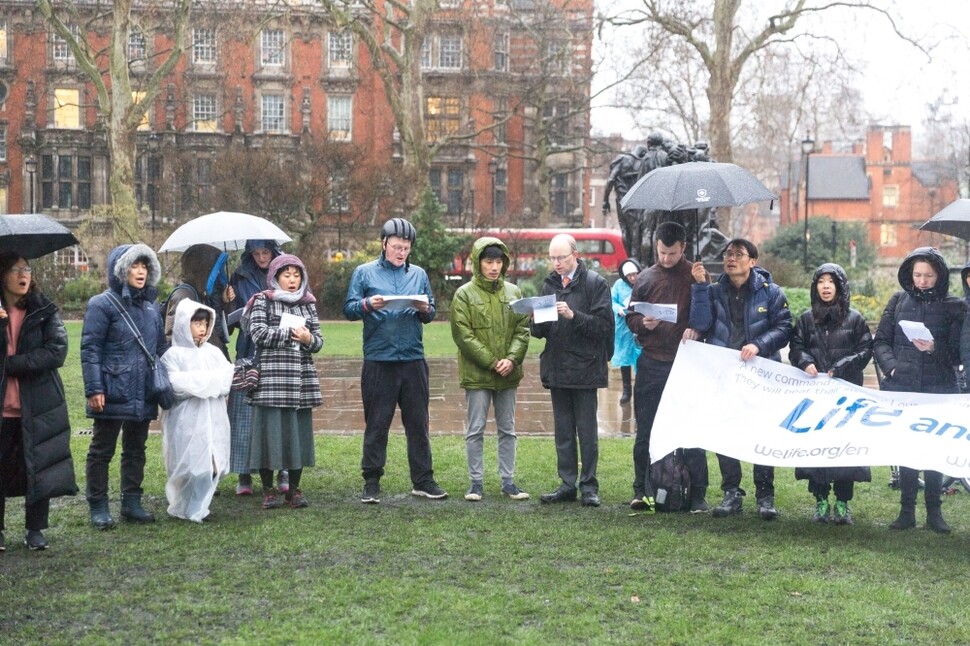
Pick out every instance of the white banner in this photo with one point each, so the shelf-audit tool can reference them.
(770, 413)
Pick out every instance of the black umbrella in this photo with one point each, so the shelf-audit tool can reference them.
(954, 220)
(33, 235)
(696, 185)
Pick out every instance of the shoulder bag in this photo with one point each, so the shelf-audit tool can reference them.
(161, 386)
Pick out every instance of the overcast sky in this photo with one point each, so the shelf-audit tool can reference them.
(899, 80)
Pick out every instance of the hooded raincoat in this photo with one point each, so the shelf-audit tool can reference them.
(485, 328)
(626, 350)
(195, 432)
(203, 280)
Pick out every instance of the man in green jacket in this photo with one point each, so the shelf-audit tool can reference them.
(492, 341)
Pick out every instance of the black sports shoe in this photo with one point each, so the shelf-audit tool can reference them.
(35, 540)
(372, 493)
(429, 489)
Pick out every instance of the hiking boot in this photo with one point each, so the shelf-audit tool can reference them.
(475, 492)
(271, 499)
(627, 394)
(935, 522)
(100, 516)
(905, 520)
(766, 508)
(645, 504)
(513, 492)
(842, 515)
(283, 481)
(372, 493)
(822, 510)
(559, 495)
(132, 511)
(35, 540)
(295, 499)
(429, 489)
(245, 486)
(732, 504)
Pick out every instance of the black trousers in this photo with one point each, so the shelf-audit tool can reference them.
(134, 434)
(14, 469)
(574, 417)
(843, 489)
(385, 386)
(650, 383)
(764, 477)
(909, 487)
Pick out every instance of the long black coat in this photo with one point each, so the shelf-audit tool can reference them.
(46, 429)
(578, 349)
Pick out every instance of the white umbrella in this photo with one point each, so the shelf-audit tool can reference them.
(224, 230)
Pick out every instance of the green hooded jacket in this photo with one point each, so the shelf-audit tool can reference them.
(485, 328)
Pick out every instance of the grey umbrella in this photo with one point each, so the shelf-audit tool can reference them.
(954, 220)
(33, 235)
(696, 185)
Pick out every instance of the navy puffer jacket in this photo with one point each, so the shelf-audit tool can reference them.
(112, 361)
(767, 319)
(904, 368)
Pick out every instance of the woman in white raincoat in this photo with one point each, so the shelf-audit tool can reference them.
(195, 432)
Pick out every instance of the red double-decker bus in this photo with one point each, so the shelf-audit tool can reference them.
(599, 248)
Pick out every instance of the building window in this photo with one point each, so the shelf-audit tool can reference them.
(3, 43)
(456, 191)
(499, 132)
(137, 97)
(3, 143)
(441, 52)
(67, 108)
(340, 117)
(339, 196)
(442, 117)
(449, 4)
(890, 196)
(65, 181)
(204, 113)
(560, 195)
(273, 113)
(887, 234)
(60, 51)
(340, 49)
(557, 59)
(499, 204)
(3, 201)
(501, 48)
(272, 52)
(556, 118)
(137, 46)
(148, 171)
(203, 45)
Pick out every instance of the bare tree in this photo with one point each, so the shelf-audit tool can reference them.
(108, 70)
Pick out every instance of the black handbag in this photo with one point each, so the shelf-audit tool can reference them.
(160, 389)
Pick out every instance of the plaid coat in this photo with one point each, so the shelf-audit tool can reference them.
(287, 376)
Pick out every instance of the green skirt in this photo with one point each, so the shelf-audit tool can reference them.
(282, 438)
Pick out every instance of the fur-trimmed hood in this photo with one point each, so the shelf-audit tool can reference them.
(120, 260)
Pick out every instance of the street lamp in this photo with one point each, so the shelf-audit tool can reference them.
(492, 168)
(808, 147)
(30, 165)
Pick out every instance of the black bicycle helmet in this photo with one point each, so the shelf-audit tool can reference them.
(398, 227)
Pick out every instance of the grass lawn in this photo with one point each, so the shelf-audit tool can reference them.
(412, 571)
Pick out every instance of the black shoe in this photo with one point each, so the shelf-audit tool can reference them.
(372, 493)
(429, 489)
(100, 515)
(627, 395)
(3, 543)
(35, 540)
(699, 506)
(132, 511)
(905, 520)
(590, 499)
(559, 495)
(766, 508)
(732, 504)
(935, 522)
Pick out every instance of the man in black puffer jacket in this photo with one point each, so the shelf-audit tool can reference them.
(743, 310)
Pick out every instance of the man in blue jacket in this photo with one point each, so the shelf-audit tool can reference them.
(394, 371)
(743, 310)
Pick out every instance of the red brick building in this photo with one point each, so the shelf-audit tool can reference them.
(878, 183)
(251, 80)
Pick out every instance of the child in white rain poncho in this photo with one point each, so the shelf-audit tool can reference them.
(195, 432)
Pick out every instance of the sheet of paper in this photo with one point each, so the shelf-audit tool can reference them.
(290, 321)
(394, 303)
(915, 331)
(529, 305)
(658, 311)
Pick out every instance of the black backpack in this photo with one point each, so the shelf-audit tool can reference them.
(671, 483)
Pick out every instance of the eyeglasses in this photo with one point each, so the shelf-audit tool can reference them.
(23, 271)
(397, 248)
(734, 255)
(555, 259)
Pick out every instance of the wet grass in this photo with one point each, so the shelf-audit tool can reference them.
(412, 571)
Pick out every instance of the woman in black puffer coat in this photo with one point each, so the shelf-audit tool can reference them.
(921, 366)
(832, 338)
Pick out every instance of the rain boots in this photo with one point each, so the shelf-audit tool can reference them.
(131, 509)
(625, 374)
(100, 516)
